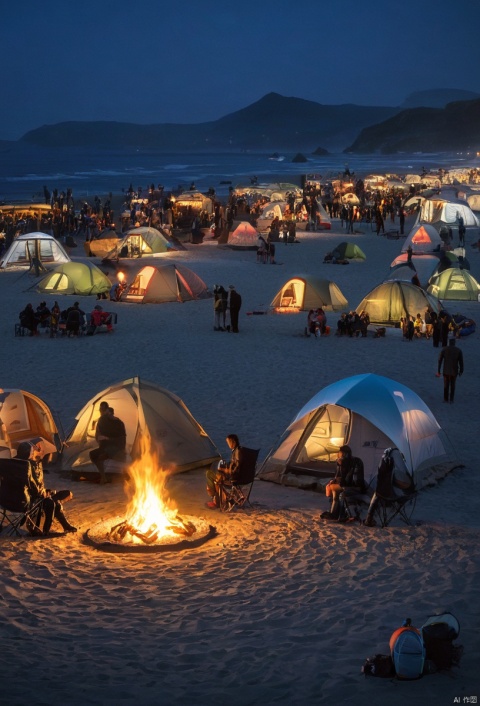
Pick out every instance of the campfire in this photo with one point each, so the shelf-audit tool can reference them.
(151, 519)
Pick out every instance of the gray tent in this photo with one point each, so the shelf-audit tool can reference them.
(306, 292)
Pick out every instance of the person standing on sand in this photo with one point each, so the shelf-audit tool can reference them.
(235, 304)
(452, 359)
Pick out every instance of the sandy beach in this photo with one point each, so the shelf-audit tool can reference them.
(280, 607)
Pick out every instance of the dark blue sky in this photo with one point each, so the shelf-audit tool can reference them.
(191, 62)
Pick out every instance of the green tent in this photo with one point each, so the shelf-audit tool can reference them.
(454, 284)
(390, 301)
(348, 251)
(81, 278)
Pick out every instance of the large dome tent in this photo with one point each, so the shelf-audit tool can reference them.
(369, 413)
(182, 443)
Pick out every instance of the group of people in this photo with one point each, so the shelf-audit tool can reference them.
(353, 324)
(71, 321)
(437, 326)
(226, 307)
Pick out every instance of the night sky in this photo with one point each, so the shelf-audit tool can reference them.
(190, 62)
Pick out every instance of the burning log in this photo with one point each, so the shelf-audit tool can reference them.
(151, 535)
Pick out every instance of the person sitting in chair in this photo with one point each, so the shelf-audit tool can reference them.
(111, 436)
(223, 471)
(51, 505)
(349, 474)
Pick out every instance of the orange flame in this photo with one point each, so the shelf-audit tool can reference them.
(149, 506)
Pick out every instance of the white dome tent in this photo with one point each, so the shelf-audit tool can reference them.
(38, 245)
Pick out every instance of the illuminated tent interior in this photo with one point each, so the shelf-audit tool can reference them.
(24, 416)
(244, 237)
(306, 292)
(423, 238)
(369, 413)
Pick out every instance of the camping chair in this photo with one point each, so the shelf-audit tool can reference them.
(15, 504)
(395, 494)
(402, 506)
(235, 492)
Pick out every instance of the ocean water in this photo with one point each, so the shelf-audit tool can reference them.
(25, 170)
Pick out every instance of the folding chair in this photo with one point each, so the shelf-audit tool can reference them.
(15, 505)
(395, 494)
(235, 492)
(402, 506)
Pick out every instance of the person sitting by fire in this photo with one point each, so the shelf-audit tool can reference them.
(51, 500)
(111, 437)
(223, 471)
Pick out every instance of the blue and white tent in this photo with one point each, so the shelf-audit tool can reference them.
(369, 413)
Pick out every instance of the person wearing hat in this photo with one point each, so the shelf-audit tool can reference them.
(51, 506)
(234, 304)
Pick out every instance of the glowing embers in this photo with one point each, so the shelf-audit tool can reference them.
(151, 522)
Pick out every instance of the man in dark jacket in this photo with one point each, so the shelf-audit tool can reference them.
(349, 474)
(235, 304)
(452, 359)
(111, 436)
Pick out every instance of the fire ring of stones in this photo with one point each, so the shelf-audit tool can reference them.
(101, 537)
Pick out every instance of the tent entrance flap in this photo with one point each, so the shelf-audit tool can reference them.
(324, 436)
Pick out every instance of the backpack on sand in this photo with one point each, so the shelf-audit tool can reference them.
(407, 651)
(439, 632)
